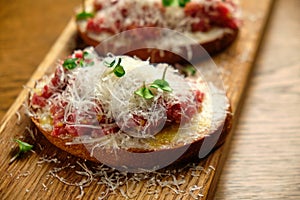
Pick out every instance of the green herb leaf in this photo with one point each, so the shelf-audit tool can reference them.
(85, 54)
(144, 92)
(107, 64)
(182, 3)
(169, 2)
(189, 70)
(158, 84)
(23, 147)
(81, 63)
(148, 94)
(119, 71)
(140, 92)
(70, 63)
(112, 63)
(84, 15)
(161, 84)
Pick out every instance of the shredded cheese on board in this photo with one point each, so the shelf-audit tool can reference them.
(123, 184)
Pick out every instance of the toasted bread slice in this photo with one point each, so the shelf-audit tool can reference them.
(210, 23)
(175, 142)
(135, 159)
(212, 42)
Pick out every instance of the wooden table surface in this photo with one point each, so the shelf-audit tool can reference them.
(264, 159)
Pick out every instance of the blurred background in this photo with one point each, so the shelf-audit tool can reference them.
(27, 31)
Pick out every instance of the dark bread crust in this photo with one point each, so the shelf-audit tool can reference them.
(212, 47)
(219, 44)
(141, 158)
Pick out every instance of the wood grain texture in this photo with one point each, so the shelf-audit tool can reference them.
(28, 179)
(28, 30)
(264, 159)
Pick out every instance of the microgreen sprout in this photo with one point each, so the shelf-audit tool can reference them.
(23, 147)
(189, 70)
(72, 63)
(84, 15)
(144, 92)
(180, 3)
(85, 54)
(162, 83)
(118, 68)
(169, 2)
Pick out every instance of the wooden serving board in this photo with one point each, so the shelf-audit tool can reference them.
(49, 173)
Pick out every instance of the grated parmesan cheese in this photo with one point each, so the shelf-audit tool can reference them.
(94, 87)
(124, 183)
